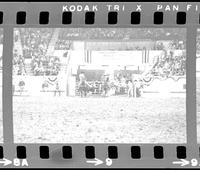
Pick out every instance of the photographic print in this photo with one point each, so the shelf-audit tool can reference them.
(99, 85)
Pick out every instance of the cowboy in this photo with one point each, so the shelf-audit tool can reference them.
(83, 85)
(130, 88)
(82, 78)
(57, 89)
(105, 85)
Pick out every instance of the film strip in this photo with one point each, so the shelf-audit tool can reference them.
(100, 84)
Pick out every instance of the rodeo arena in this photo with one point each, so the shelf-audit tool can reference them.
(99, 85)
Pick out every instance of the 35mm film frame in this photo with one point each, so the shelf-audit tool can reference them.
(124, 159)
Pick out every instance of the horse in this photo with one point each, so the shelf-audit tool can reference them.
(105, 88)
(83, 89)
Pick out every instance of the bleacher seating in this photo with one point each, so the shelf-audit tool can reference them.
(35, 44)
(65, 35)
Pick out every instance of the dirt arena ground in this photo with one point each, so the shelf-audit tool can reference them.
(99, 120)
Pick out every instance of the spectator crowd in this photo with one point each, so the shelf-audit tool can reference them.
(18, 64)
(45, 65)
(173, 35)
(63, 44)
(35, 43)
(123, 33)
(170, 65)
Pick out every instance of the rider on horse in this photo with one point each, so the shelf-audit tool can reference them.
(82, 79)
(83, 85)
(105, 85)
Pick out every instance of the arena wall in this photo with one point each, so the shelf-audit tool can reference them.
(168, 85)
(33, 85)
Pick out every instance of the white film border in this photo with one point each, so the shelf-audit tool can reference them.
(99, 85)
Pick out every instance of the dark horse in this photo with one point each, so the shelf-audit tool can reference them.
(105, 87)
(83, 89)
